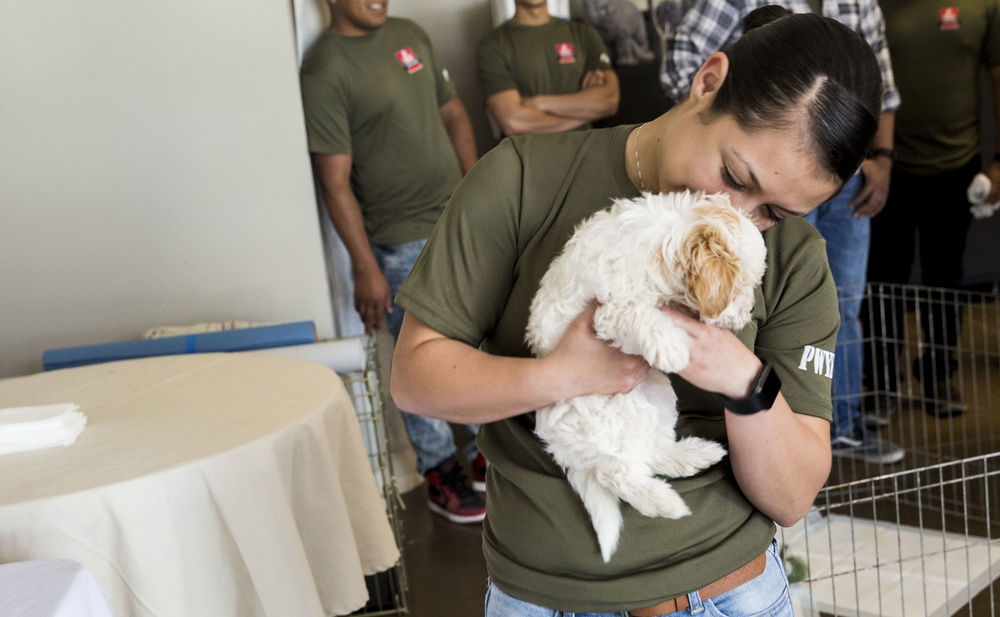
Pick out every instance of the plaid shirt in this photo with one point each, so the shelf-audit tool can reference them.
(713, 25)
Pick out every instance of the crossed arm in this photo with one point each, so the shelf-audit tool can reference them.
(597, 98)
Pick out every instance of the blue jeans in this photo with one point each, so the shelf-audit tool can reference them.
(432, 439)
(765, 596)
(847, 243)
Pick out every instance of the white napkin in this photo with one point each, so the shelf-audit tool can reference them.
(40, 426)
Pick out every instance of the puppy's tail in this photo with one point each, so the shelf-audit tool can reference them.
(603, 508)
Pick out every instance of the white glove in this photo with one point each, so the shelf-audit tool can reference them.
(978, 189)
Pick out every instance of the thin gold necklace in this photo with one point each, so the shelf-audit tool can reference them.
(635, 147)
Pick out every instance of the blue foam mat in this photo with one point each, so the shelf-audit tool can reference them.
(244, 339)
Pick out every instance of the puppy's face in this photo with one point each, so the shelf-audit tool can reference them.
(722, 258)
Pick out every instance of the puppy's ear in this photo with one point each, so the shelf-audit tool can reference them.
(712, 269)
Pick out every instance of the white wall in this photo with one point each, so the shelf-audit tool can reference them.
(153, 171)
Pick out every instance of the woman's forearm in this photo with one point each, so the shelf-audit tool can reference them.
(433, 375)
(781, 459)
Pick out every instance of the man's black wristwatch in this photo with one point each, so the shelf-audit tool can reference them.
(888, 153)
(762, 394)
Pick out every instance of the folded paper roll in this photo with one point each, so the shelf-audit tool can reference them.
(41, 426)
(343, 356)
(202, 328)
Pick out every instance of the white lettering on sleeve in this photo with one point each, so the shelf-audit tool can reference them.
(807, 355)
(821, 360)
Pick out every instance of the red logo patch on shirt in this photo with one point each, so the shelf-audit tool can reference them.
(948, 18)
(565, 53)
(410, 61)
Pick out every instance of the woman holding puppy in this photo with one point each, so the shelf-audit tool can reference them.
(779, 122)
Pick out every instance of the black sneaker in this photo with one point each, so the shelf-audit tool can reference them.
(942, 397)
(449, 494)
(879, 410)
(867, 448)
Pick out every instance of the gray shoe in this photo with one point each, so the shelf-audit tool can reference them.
(867, 448)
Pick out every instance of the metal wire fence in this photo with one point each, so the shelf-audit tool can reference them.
(919, 536)
(386, 590)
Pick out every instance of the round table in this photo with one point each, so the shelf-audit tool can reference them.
(206, 484)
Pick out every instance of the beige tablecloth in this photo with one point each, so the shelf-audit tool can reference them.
(204, 485)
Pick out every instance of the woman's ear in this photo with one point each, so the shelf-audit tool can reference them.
(710, 76)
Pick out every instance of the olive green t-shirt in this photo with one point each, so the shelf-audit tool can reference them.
(377, 97)
(547, 59)
(508, 219)
(938, 50)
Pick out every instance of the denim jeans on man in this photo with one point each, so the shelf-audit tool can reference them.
(847, 244)
(432, 439)
(765, 596)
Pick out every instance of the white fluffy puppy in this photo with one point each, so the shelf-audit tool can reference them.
(688, 249)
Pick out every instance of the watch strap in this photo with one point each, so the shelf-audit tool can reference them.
(763, 393)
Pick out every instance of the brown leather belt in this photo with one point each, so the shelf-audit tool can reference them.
(730, 581)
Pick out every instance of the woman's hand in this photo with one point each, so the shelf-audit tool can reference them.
(780, 458)
(582, 363)
(719, 361)
(436, 376)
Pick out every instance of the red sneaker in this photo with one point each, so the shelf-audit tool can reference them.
(479, 473)
(449, 495)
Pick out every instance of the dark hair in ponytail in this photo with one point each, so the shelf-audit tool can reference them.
(787, 66)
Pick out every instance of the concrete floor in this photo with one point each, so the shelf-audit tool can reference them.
(444, 564)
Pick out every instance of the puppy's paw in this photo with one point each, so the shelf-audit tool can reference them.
(670, 357)
(687, 457)
(663, 502)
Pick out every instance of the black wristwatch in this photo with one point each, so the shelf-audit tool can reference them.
(762, 394)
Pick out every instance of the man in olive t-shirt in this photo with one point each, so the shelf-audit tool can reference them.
(389, 141)
(940, 51)
(543, 74)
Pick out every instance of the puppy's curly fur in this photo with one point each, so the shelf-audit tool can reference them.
(684, 248)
